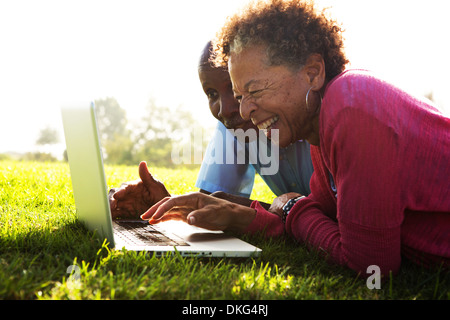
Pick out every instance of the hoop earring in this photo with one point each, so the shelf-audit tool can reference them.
(307, 95)
(307, 104)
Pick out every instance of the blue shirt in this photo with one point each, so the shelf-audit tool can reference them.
(233, 176)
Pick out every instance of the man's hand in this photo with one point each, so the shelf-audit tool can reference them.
(135, 197)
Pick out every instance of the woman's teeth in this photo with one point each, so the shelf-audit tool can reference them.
(266, 124)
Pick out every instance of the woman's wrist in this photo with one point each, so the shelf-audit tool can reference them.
(288, 207)
(242, 217)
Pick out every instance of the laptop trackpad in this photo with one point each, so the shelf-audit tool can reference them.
(207, 236)
(190, 233)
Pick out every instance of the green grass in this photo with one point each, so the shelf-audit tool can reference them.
(40, 238)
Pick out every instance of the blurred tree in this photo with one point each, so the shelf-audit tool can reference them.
(47, 136)
(151, 139)
(120, 150)
(161, 128)
(114, 135)
(111, 119)
(38, 156)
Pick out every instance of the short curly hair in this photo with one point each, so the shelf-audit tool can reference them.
(292, 30)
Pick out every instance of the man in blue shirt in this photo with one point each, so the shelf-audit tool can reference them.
(293, 175)
(222, 172)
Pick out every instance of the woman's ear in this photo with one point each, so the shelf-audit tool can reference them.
(315, 71)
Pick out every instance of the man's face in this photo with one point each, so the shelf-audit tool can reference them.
(217, 86)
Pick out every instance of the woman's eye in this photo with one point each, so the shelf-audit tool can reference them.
(254, 92)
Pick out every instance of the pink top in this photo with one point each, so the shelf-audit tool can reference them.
(388, 154)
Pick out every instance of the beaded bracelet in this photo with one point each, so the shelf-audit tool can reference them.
(288, 206)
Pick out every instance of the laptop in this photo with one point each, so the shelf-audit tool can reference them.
(92, 203)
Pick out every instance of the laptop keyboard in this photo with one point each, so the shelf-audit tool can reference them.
(144, 234)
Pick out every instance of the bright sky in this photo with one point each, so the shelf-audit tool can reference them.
(54, 51)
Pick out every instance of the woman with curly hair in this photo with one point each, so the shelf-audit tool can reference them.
(380, 189)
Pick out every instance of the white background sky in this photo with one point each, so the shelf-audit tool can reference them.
(54, 51)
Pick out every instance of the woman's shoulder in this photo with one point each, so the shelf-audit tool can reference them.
(343, 90)
(356, 89)
(351, 80)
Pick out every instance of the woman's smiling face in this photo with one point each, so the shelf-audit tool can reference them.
(273, 97)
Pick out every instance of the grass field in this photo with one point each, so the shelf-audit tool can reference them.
(40, 238)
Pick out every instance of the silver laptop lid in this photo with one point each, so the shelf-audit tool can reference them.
(86, 168)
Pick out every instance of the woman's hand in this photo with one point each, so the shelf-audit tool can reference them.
(277, 205)
(203, 211)
(134, 198)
